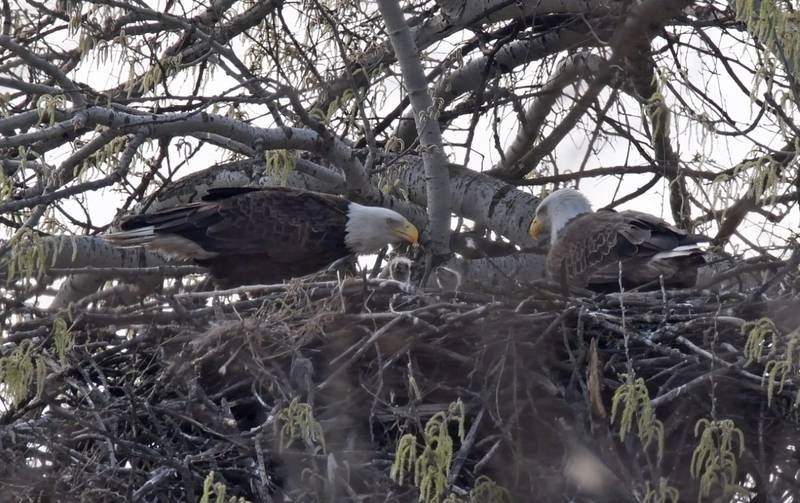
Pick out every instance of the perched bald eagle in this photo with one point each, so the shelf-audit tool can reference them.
(248, 235)
(587, 247)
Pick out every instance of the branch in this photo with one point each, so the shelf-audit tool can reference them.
(734, 215)
(66, 252)
(490, 202)
(644, 78)
(49, 197)
(71, 89)
(479, 70)
(619, 171)
(578, 66)
(335, 150)
(480, 12)
(499, 275)
(205, 33)
(425, 118)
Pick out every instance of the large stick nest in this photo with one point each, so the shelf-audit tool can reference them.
(302, 392)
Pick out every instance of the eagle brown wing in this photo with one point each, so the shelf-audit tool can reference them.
(278, 221)
(591, 247)
(247, 236)
(284, 224)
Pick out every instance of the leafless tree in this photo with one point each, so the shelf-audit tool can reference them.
(456, 113)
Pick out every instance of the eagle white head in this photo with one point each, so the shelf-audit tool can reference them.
(370, 228)
(556, 210)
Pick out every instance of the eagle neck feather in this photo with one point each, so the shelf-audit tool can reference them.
(564, 206)
(367, 230)
(560, 224)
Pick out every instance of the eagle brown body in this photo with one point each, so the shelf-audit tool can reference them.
(593, 246)
(589, 248)
(246, 235)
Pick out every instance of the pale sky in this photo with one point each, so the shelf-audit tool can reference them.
(688, 137)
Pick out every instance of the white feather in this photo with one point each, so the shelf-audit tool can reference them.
(561, 207)
(135, 237)
(678, 251)
(170, 244)
(370, 228)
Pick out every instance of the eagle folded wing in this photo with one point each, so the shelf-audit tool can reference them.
(594, 245)
(258, 223)
(245, 235)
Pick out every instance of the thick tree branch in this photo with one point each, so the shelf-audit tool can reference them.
(504, 61)
(499, 275)
(425, 115)
(579, 66)
(82, 251)
(480, 12)
(489, 202)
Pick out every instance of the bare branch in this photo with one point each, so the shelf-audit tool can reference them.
(425, 118)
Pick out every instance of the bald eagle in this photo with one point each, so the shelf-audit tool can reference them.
(248, 235)
(587, 247)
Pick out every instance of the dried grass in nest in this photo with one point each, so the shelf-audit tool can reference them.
(194, 387)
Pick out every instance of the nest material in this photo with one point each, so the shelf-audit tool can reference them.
(179, 397)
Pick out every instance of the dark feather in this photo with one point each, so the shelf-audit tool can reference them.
(590, 249)
(249, 235)
(217, 193)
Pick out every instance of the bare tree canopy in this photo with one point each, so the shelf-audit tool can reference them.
(452, 373)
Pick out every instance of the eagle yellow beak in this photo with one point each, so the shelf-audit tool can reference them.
(536, 228)
(407, 232)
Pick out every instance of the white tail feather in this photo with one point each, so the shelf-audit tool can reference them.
(169, 244)
(135, 237)
(678, 251)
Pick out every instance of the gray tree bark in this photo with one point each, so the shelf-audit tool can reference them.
(425, 117)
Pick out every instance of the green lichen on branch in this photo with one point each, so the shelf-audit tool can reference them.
(656, 108)
(280, 164)
(487, 490)
(340, 104)
(47, 105)
(154, 75)
(296, 422)
(661, 493)
(714, 460)
(20, 370)
(779, 371)
(759, 178)
(637, 411)
(217, 491)
(432, 465)
(7, 182)
(63, 341)
(30, 256)
(774, 25)
(108, 155)
(757, 332)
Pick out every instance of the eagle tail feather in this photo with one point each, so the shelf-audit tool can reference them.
(135, 237)
(162, 220)
(678, 251)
